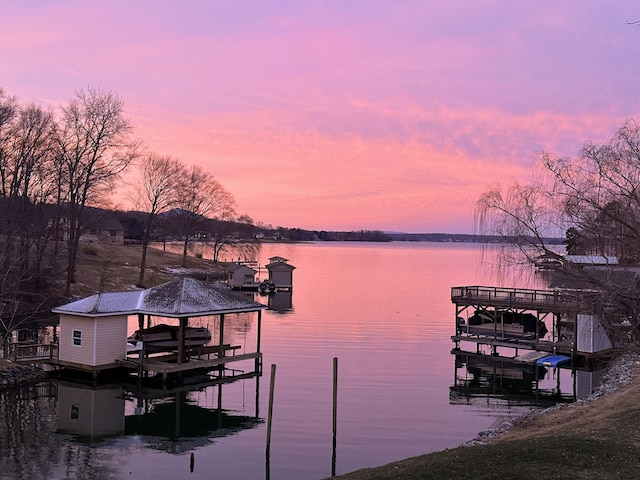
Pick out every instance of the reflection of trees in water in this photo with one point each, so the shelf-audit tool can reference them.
(83, 461)
(29, 445)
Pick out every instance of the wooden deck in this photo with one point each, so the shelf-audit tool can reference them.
(562, 347)
(519, 298)
(552, 304)
(199, 359)
(29, 353)
(166, 365)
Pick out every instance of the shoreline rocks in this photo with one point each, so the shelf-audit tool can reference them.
(619, 373)
(17, 375)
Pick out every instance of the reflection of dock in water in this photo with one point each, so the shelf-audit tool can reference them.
(172, 419)
(502, 380)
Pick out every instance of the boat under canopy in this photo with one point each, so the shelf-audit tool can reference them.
(516, 324)
(163, 337)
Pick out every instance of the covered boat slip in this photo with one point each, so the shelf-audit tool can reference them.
(102, 320)
(552, 321)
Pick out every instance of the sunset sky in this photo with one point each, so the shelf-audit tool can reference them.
(342, 115)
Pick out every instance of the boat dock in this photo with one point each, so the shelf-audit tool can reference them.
(93, 333)
(559, 321)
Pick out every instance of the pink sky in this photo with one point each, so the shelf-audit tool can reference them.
(342, 115)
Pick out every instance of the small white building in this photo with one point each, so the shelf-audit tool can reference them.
(239, 275)
(93, 330)
(280, 272)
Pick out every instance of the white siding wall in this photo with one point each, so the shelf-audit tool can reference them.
(103, 339)
(71, 353)
(591, 336)
(111, 335)
(241, 276)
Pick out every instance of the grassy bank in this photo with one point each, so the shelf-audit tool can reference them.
(112, 268)
(596, 440)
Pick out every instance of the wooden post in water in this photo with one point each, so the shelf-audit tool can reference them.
(258, 362)
(181, 337)
(221, 336)
(269, 415)
(335, 415)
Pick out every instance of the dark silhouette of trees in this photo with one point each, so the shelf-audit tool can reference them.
(26, 219)
(94, 147)
(200, 197)
(159, 182)
(594, 197)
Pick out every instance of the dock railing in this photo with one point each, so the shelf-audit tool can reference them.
(32, 352)
(555, 300)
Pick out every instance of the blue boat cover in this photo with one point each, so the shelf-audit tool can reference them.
(554, 360)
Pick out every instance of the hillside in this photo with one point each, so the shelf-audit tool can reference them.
(117, 268)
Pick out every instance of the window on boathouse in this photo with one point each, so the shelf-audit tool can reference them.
(77, 338)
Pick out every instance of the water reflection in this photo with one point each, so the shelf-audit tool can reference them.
(73, 427)
(90, 413)
(384, 310)
(169, 420)
(502, 381)
(281, 302)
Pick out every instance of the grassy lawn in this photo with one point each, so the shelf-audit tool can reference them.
(112, 268)
(596, 440)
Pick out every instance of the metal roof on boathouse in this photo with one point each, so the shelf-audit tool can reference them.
(186, 297)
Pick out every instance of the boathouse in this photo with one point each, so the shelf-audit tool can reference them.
(93, 330)
(280, 273)
(560, 321)
(239, 275)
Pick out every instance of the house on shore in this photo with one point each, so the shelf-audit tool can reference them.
(102, 226)
(239, 275)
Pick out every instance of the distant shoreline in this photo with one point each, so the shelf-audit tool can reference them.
(463, 238)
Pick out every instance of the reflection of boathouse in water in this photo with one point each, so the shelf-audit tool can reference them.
(488, 380)
(163, 416)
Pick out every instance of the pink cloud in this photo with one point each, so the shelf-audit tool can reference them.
(341, 116)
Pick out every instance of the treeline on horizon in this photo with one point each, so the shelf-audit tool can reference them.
(132, 222)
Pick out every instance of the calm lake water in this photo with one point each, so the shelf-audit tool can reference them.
(383, 310)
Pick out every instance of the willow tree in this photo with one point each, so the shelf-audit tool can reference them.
(594, 197)
(95, 146)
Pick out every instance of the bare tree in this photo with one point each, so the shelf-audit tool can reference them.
(9, 110)
(594, 198)
(26, 152)
(158, 192)
(238, 233)
(200, 197)
(95, 146)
